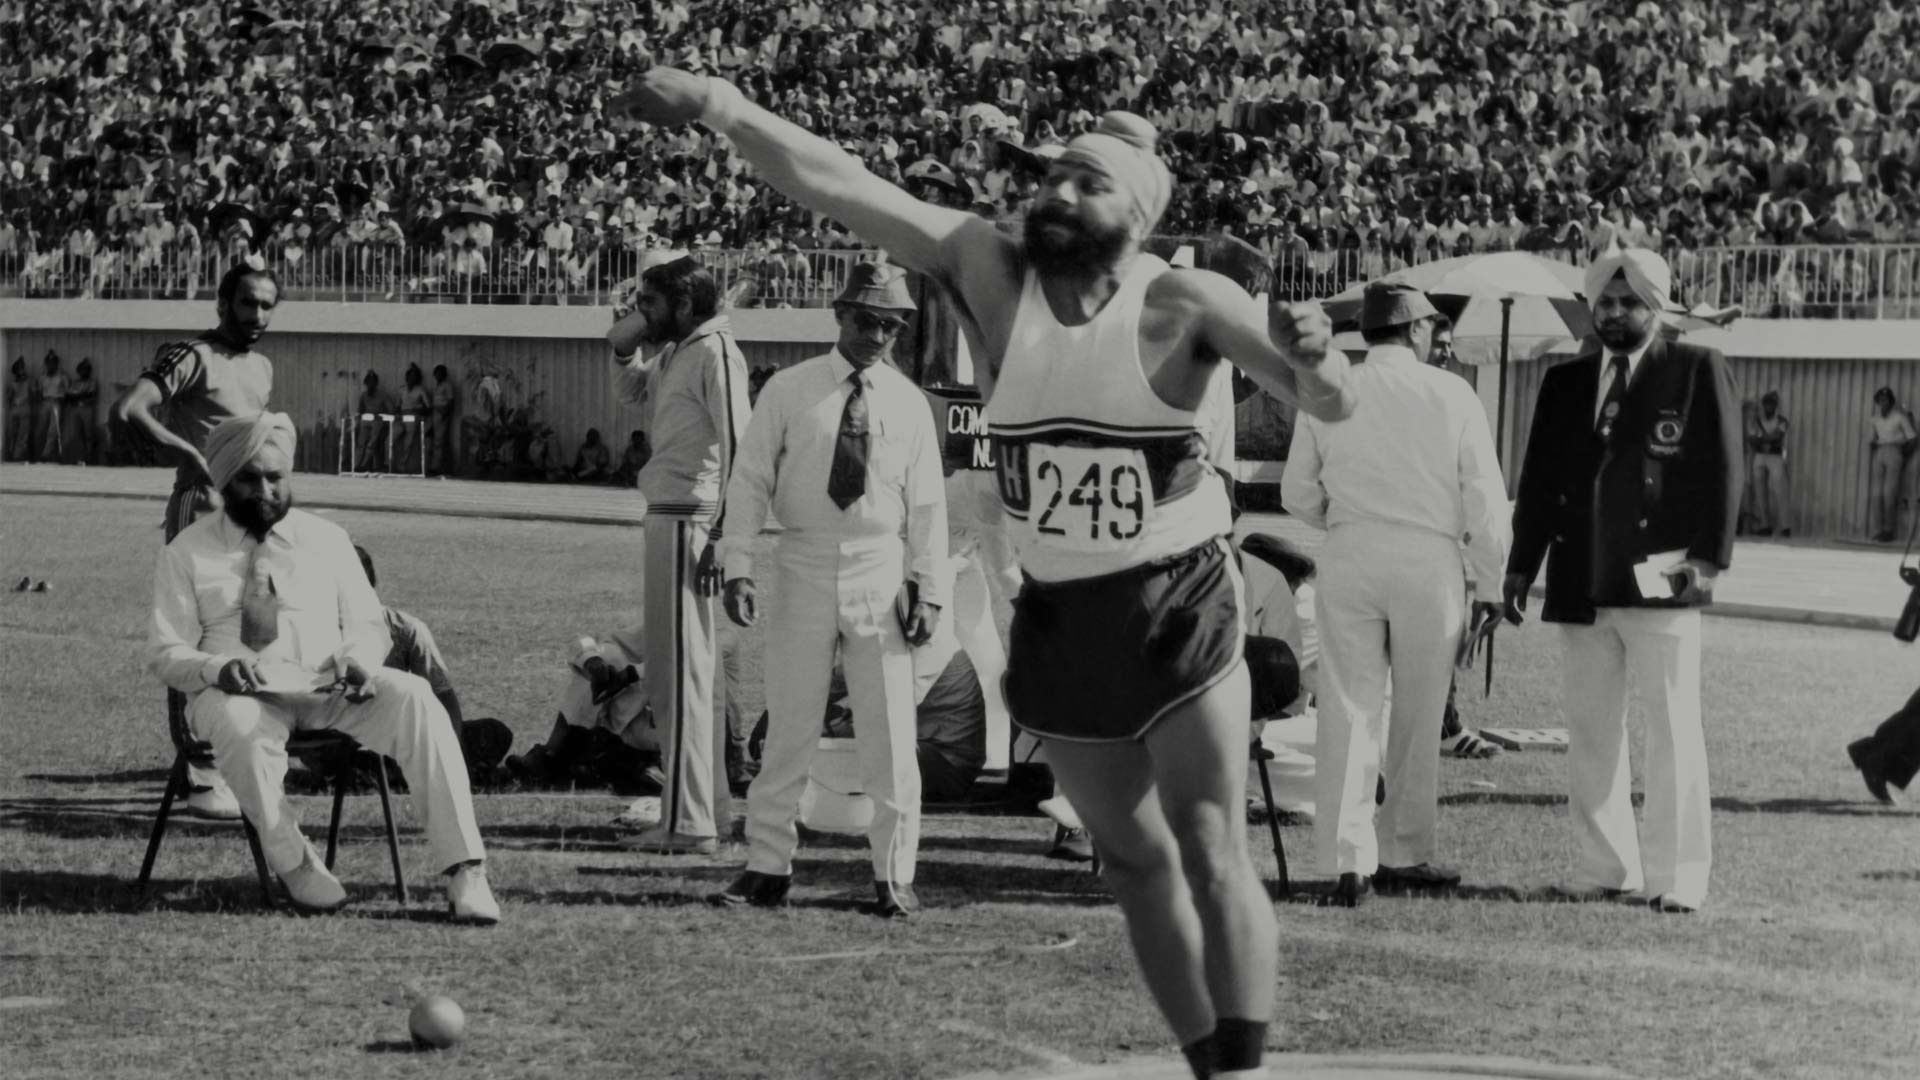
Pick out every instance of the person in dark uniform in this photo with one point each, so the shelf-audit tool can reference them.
(1632, 483)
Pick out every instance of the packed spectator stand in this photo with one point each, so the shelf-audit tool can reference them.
(458, 149)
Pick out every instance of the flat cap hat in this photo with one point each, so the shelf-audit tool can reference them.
(1389, 303)
(877, 285)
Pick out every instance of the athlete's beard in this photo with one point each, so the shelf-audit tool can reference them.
(1086, 248)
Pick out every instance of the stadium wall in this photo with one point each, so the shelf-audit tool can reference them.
(1826, 371)
(321, 351)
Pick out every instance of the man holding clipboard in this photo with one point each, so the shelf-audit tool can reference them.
(1632, 482)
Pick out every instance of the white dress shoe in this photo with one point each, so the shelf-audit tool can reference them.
(642, 813)
(312, 888)
(215, 803)
(470, 898)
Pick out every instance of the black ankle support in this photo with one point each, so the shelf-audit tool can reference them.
(1200, 1057)
(1238, 1044)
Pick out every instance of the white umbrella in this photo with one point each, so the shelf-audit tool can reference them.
(1546, 293)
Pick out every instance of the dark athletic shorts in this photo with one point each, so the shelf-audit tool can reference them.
(1101, 659)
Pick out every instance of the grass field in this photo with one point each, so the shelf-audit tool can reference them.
(1803, 964)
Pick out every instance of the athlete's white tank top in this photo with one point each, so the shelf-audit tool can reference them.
(1096, 472)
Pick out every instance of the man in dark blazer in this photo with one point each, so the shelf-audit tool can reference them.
(1632, 483)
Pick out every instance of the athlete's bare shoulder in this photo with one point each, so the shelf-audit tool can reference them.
(1193, 292)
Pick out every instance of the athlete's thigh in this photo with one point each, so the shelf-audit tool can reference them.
(1198, 754)
(1111, 788)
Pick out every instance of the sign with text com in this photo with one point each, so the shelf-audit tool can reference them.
(962, 419)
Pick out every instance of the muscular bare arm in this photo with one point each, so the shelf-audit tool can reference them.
(1288, 349)
(959, 249)
(137, 413)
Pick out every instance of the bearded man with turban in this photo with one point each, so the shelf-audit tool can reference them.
(1126, 649)
(1632, 482)
(263, 618)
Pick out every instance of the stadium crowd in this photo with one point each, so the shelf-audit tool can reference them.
(464, 142)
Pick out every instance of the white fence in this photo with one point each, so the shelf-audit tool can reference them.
(1868, 281)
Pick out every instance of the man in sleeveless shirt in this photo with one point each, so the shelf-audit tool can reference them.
(197, 384)
(1126, 644)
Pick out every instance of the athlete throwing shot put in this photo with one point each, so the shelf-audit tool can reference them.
(1125, 650)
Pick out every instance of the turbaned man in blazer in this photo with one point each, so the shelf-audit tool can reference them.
(1631, 482)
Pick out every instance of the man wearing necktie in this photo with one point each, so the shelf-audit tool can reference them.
(1632, 483)
(264, 619)
(842, 451)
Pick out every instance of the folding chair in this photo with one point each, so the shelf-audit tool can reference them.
(329, 753)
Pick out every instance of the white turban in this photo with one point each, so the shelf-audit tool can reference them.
(238, 440)
(1646, 274)
(1122, 145)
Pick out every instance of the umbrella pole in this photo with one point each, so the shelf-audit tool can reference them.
(1500, 411)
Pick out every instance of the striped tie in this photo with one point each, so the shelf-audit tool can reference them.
(848, 479)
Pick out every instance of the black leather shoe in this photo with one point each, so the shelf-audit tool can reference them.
(1348, 892)
(1860, 751)
(1072, 845)
(754, 889)
(1415, 878)
(893, 901)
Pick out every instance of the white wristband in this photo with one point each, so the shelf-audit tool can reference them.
(722, 106)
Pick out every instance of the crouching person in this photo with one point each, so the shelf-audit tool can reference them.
(263, 616)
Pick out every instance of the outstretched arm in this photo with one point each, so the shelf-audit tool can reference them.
(811, 170)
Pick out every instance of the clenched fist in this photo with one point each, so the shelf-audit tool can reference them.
(1301, 331)
(664, 95)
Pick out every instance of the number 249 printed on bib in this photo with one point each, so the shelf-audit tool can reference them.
(1090, 497)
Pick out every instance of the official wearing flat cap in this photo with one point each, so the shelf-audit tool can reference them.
(1631, 482)
(842, 450)
(1403, 487)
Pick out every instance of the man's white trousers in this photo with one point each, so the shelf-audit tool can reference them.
(403, 720)
(985, 576)
(680, 648)
(823, 593)
(1658, 650)
(1390, 603)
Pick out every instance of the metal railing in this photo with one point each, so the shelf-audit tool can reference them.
(1854, 281)
(1865, 281)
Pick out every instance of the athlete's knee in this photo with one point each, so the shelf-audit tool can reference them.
(1212, 844)
(1130, 862)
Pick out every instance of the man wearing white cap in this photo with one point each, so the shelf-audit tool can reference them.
(1126, 644)
(1632, 483)
(263, 617)
(1402, 488)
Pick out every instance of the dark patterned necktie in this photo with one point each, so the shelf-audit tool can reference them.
(848, 479)
(1610, 404)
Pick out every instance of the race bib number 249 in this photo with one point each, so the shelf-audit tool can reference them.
(1087, 497)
